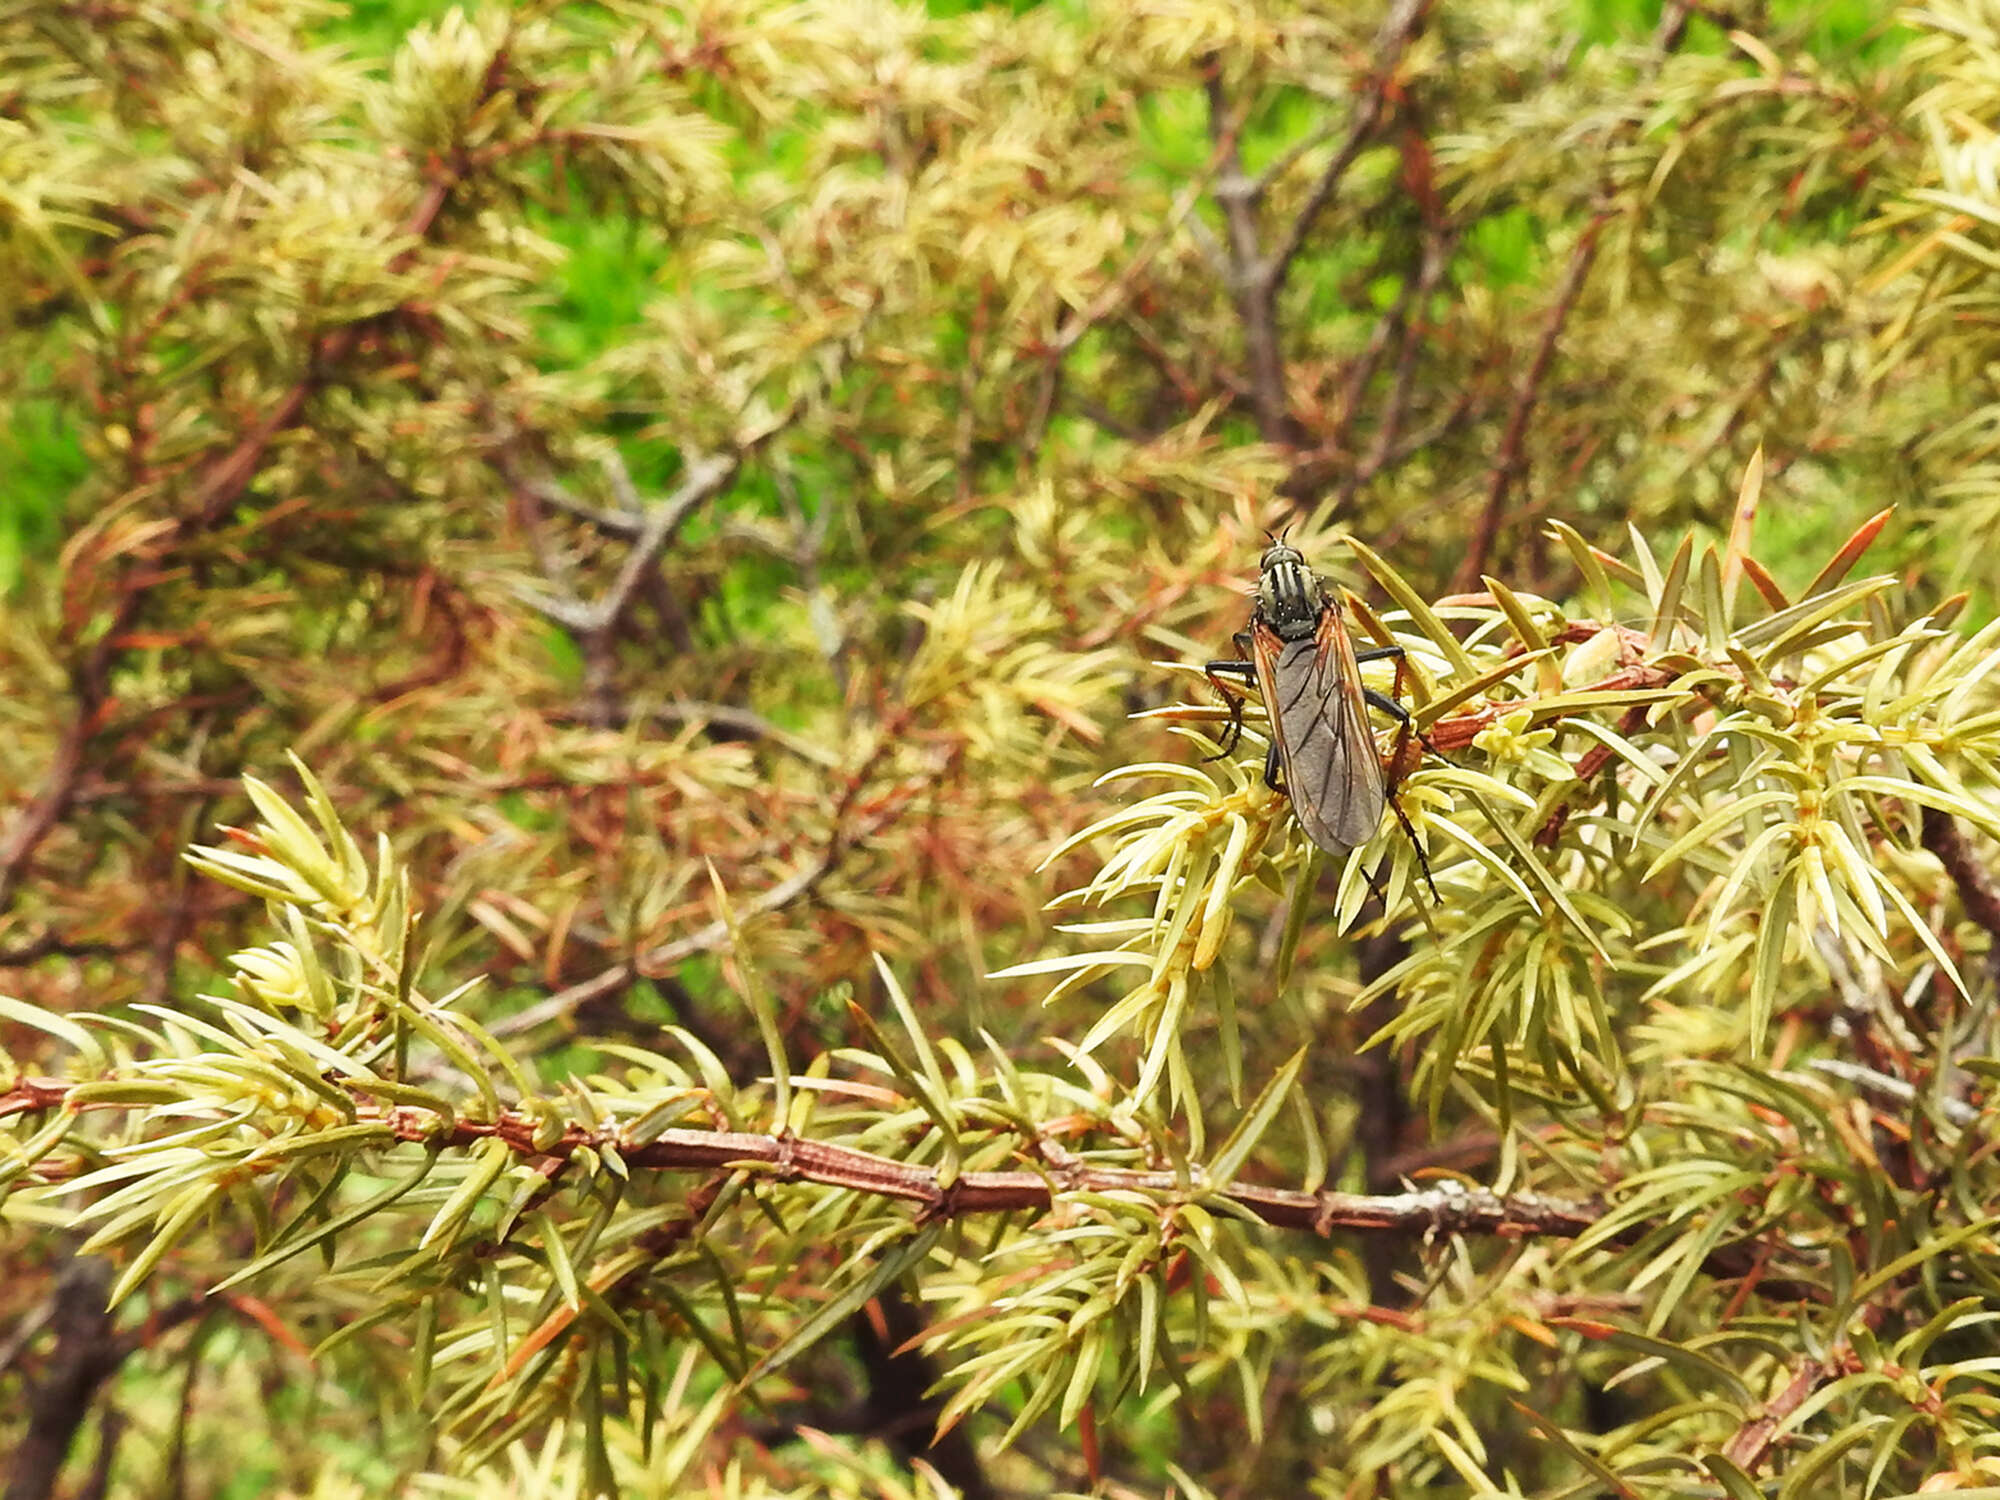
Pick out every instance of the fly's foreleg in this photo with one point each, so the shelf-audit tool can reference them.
(1233, 735)
(1245, 673)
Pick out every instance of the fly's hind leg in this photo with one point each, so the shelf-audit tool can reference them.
(1391, 704)
(1410, 833)
(1405, 727)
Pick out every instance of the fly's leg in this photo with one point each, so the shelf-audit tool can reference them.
(1244, 672)
(1217, 670)
(1405, 727)
(1390, 704)
(1232, 733)
(1376, 885)
(1423, 859)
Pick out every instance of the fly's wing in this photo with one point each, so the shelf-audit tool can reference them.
(1312, 689)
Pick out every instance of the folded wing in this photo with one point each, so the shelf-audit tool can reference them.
(1312, 689)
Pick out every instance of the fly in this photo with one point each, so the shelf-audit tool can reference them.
(1298, 657)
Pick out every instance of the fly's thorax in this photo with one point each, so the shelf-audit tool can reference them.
(1290, 597)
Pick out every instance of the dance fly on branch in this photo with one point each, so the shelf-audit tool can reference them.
(1297, 656)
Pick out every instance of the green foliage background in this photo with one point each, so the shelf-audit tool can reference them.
(748, 967)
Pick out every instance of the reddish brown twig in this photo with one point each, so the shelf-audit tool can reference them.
(1976, 892)
(1256, 278)
(1446, 1209)
(214, 495)
(1510, 460)
(1753, 1440)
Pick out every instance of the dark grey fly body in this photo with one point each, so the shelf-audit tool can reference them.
(1298, 657)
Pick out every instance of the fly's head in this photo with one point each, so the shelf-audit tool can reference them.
(1290, 597)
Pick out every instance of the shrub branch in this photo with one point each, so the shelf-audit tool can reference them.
(1421, 1213)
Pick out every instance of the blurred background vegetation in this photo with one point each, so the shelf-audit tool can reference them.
(707, 485)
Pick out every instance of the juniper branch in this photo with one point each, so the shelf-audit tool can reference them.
(1417, 1214)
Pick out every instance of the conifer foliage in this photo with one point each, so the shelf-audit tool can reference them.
(618, 876)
